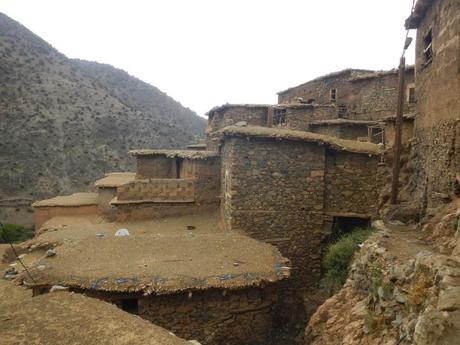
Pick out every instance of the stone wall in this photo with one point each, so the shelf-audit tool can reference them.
(375, 98)
(318, 90)
(207, 179)
(343, 131)
(285, 192)
(273, 190)
(158, 190)
(151, 210)
(300, 117)
(406, 135)
(230, 115)
(42, 214)
(436, 146)
(154, 167)
(357, 98)
(105, 196)
(236, 318)
(212, 317)
(351, 183)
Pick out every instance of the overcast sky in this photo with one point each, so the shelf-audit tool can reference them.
(209, 52)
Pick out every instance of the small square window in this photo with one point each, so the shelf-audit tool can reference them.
(411, 98)
(333, 95)
(428, 47)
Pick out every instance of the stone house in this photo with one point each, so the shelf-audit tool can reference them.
(362, 103)
(218, 288)
(349, 104)
(436, 145)
(290, 188)
(292, 116)
(356, 94)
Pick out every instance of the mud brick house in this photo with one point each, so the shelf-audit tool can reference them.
(78, 203)
(169, 182)
(289, 188)
(436, 144)
(218, 288)
(107, 191)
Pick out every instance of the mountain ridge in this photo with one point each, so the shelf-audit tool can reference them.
(65, 122)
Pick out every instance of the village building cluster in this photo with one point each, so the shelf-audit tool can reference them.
(220, 241)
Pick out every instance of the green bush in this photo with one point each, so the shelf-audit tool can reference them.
(15, 233)
(338, 257)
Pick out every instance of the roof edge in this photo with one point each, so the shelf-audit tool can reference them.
(295, 135)
(417, 15)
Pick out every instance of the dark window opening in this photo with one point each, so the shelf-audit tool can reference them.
(333, 95)
(178, 167)
(411, 95)
(428, 47)
(130, 305)
(311, 101)
(279, 117)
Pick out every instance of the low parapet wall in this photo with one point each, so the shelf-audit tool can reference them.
(158, 190)
(75, 204)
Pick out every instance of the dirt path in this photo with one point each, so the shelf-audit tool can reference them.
(404, 241)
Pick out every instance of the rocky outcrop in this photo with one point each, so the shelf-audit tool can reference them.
(403, 288)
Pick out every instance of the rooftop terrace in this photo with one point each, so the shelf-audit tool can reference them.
(160, 256)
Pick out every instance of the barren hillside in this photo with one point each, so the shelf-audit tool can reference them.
(65, 122)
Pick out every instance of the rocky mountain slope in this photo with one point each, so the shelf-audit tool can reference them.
(63, 122)
(403, 288)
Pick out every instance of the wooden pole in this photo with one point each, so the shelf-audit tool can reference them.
(398, 132)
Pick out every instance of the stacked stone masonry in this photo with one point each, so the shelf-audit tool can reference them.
(280, 191)
(212, 317)
(360, 94)
(436, 148)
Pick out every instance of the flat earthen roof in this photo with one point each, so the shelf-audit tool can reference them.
(189, 154)
(236, 105)
(286, 134)
(112, 180)
(291, 105)
(342, 122)
(378, 74)
(67, 318)
(161, 263)
(77, 199)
